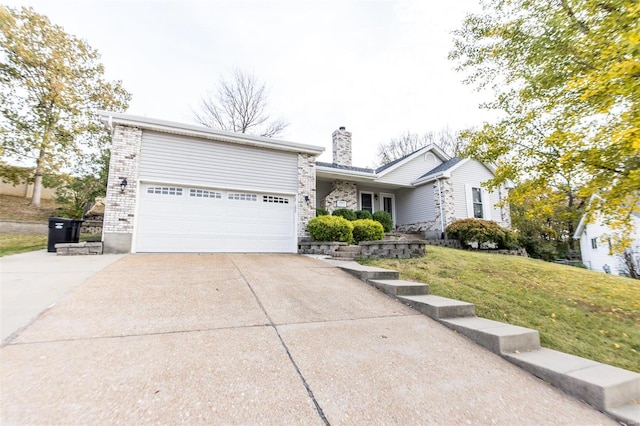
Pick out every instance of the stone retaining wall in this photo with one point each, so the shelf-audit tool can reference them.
(402, 249)
(445, 243)
(393, 249)
(91, 227)
(319, 247)
(75, 249)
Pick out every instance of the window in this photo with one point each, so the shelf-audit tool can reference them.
(203, 193)
(164, 190)
(594, 243)
(366, 202)
(274, 199)
(243, 197)
(477, 203)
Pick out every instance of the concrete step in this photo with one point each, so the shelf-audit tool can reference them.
(600, 385)
(439, 307)
(400, 287)
(349, 249)
(367, 273)
(344, 254)
(627, 414)
(496, 336)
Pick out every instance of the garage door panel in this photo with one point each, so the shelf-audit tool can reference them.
(183, 219)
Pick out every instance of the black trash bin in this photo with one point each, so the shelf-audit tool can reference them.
(63, 230)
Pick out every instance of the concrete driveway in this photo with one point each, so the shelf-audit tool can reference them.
(267, 339)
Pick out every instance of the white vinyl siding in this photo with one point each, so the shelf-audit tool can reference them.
(182, 159)
(469, 175)
(411, 170)
(415, 205)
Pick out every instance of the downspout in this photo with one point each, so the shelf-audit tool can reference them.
(441, 210)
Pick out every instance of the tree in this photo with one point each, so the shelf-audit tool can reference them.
(78, 193)
(546, 217)
(409, 142)
(52, 85)
(630, 263)
(239, 105)
(566, 78)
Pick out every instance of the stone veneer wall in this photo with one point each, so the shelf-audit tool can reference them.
(120, 206)
(306, 187)
(341, 191)
(341, 147)
(505, 211)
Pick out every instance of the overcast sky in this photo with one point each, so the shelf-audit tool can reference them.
(379, 68)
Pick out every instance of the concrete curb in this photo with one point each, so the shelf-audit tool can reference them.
(609, 389)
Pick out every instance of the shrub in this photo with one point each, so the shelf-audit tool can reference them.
(367, 230)
(322, 212)
(481, 231)
(363, 214)
(346, 213)
(385, 219)
(539, 249)
(330, 228)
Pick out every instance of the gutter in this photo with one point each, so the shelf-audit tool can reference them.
(170, 127)
(427, 179)
(441, 209)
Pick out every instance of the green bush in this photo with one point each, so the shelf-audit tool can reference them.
(363, 214)
(330, 228)
(385, 219)
(539, 249)
(322, 212)
(481, 231)
(346, 213)
(367, 230)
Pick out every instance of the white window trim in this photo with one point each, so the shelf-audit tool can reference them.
(487, 205)
(393, 205)
(373, 201)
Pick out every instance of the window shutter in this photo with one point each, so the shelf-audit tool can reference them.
(469, 196)
(487, 205)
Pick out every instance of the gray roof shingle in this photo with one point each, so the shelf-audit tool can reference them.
(442, 167)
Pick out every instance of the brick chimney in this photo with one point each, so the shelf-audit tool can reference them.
(341, 147)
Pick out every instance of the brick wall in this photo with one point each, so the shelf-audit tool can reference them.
(306, 187)
(342, 147)
(120, 205)
(341, 191)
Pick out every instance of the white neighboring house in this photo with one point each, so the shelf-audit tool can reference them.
(594, 245)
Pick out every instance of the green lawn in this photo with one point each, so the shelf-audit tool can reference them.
(20, 243)
(585, 313)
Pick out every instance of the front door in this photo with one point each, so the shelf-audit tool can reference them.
(387, 204)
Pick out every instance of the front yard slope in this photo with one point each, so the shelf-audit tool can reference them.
(581, 312)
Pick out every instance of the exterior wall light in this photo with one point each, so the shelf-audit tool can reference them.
(306, 198)
(123, 184)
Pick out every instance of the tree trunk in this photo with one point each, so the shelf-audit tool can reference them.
(37, 183)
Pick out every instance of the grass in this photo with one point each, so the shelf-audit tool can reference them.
(581, 312)
(20, 243)
(18, 209)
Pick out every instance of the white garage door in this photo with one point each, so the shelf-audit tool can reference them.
(190, 219)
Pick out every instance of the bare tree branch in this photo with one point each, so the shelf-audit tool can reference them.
(239, 105)
(409, 142)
